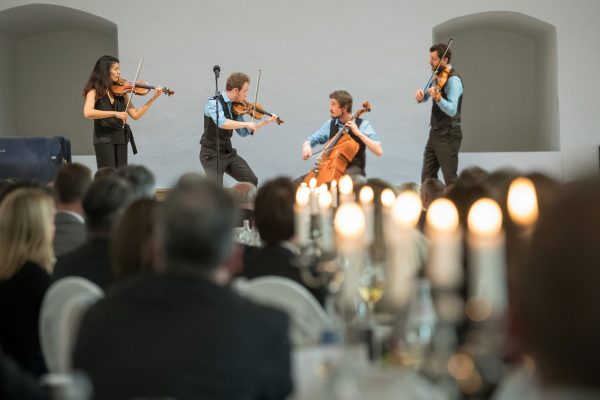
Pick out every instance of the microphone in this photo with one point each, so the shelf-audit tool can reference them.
(217, 70)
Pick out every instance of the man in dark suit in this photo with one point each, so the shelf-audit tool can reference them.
(274, 219)
(72, 181)
(183, 333)
(103, 203)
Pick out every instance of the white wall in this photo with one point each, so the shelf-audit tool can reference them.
(7, 86)
(52, 71)
(498, 70)
(377, 51)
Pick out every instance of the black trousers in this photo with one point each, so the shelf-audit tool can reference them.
(441, 151)
(111, 155)
(231, 164)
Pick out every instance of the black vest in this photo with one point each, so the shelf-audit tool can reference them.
(439, 119)
(359, 159)
(209, 137)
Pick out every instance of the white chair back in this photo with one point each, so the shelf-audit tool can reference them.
(307, 318)
(63, 307)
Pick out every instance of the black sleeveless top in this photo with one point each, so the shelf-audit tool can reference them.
(110, 130)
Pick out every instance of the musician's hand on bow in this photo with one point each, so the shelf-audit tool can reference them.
(306, 151)
(419, 95)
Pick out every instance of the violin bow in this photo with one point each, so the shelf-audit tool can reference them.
(137, 74)
(437, 68)
(256, 93)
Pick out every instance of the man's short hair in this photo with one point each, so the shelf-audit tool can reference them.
(195, 226)
(274, 210)
(141, 180)
(71, 183)
(557, 290)
(104, 202)
(244, 194)
(236, 81)
(343, 98)
(440, 48)
(431, 189)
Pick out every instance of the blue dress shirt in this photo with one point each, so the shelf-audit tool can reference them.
(454, 90)
(322, 135)
(210, 110)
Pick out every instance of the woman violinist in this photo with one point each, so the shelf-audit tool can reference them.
(111, 131)
(361, 131)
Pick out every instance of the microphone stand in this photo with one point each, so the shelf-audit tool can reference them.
(217, 72)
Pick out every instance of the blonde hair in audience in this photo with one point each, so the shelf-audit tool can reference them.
(26, 231)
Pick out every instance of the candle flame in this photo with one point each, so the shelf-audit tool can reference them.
(485, 217)
(407, 209)
(349, 220)
(302, 196)
(346, 185)
(442, 215)
(387, 198)
(366, 195)
(325, 200)
(522, 202)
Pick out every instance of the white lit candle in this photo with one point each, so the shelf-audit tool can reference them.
(403, 253)
(522, 202)
(366, 196)
(388, 197)
(302, 215)
(487, 283)
(444, 267)
(346, 189)
(326, 222)
(334, 193)
(312, 184)
(349, 226)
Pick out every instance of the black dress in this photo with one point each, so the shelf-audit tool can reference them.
(20, 302)
(110, 136)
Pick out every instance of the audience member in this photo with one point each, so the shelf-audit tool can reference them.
(431, 189)
(103, 204)
(26, 256)
(556, 307)
(16, 384)
(131, 242)
(474, 174)
(70, 185)
(274, 218)
(141, 180)
(104, 172)
(182, 332)
(244, 195)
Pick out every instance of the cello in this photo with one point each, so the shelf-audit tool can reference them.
(337, 153)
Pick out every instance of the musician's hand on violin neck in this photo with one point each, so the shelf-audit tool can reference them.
(273, 118)
(158, 91)
(352, 126)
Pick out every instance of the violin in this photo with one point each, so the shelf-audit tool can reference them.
(440, 81)
(255, 110)
(337, 153)
(436, 74)
(141, 88)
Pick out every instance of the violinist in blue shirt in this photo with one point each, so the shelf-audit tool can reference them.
(445, 133)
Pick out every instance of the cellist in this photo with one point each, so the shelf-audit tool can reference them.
(340, 108)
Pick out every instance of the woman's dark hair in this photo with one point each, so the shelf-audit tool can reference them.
(100, 77)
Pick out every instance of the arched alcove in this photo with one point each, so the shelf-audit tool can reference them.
(46, 55)
(508, 62)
